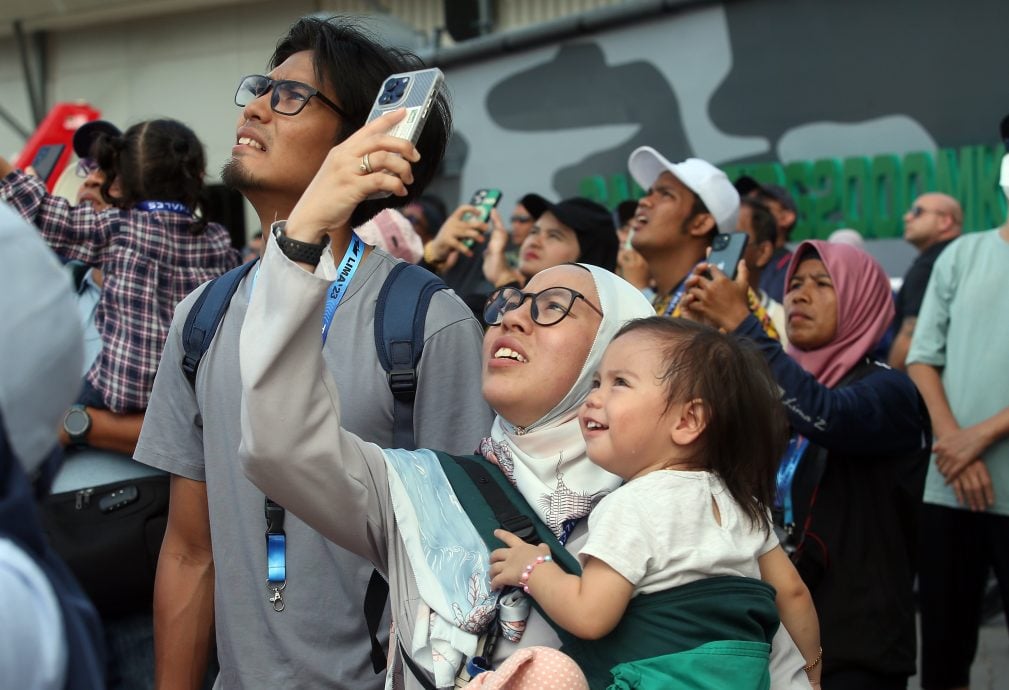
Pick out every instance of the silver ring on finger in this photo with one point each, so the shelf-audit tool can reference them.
(366, 165)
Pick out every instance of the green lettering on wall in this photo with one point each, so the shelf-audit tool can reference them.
(918, 174)
(870, 195)
(991, 202)
(825, 200)
(594, 187)
(953, 172)
(854, 186)
(885, 197)
(797, 176)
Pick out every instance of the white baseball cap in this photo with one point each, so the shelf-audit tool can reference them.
(701, 177)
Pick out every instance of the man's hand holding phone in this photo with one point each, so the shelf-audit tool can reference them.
(713, 298)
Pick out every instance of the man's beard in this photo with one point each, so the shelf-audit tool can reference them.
(237, 177)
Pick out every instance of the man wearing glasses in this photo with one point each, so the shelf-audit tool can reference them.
(306, 629)
(933, 221)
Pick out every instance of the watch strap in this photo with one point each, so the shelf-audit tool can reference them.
(296, 250)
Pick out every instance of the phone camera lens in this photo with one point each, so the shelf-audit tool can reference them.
(721, 242)
(391, 84)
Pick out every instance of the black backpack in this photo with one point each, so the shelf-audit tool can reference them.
(400, 315)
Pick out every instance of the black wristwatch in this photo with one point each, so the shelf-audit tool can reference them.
(296, 250)
(77, 424)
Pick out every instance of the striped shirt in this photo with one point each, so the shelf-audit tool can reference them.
(150, 261)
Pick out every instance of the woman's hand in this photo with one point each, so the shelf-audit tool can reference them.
(343, 181)
(508, 564)
(717, 300)
(496, 268)
(633, 268)
(463, 224)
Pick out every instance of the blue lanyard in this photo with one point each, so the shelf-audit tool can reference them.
(276, 538)
(170, 206)
(786, 474)
(348, 267)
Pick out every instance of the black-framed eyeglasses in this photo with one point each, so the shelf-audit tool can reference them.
(86, 166)
(287, 97)
(521, 219)
(917, 211)
(549, 306)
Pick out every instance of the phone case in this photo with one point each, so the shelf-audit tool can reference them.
(414, 91)
(486, 200)
(50, 146)
(726, 251)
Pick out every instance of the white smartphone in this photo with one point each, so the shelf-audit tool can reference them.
(416, 91)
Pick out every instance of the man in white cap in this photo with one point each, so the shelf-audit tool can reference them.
(685, 206)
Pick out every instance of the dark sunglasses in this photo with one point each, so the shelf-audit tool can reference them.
(916, 211)
(287, 97)
(521, 219)
(549, 306)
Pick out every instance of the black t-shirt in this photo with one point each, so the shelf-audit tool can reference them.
(912, 292)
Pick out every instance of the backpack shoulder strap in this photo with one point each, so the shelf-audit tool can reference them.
(400, 315)
(206, 316)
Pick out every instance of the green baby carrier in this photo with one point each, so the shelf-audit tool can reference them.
(712, 634)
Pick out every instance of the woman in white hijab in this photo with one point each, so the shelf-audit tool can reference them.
(396, 508)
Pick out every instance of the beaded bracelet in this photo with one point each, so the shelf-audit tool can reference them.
(809, 667)
(524, 577)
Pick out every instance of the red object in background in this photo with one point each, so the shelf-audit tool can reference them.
(50, 146)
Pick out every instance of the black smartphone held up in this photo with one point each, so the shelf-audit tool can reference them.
(726, 252)
(415, 91)
(486, 200)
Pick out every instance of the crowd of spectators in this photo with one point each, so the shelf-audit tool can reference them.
(636, 368)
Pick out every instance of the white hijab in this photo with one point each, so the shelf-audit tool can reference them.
(546, 460)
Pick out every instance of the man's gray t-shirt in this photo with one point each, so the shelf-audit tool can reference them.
(320, 639)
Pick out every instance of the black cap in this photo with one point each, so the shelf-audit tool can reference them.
(591, 223)
(86, 134)
(746, 184)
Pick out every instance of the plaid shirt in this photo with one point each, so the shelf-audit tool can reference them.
(150, 261)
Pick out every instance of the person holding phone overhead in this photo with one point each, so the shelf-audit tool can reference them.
(309, 631)
(849, 487)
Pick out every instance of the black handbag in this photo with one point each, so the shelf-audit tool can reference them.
(106, 518)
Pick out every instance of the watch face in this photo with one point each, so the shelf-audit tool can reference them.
(77, 422)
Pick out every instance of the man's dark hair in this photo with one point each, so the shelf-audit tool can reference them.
(352, 66)
(765, 228)
(626, 211)
(156, 160)
(746, 430)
